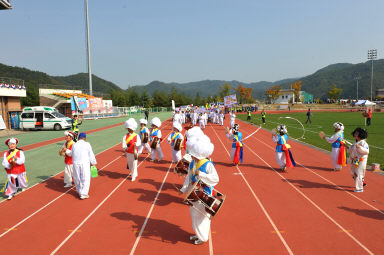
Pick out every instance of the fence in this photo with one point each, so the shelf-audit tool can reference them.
(125, 111)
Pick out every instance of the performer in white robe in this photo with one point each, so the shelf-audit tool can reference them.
(66, 151)
(82, 157)
(177, 128)
(143, 130)
(232, 117)
(156, 132)
(337, 141)
(13, 162)
(358, 158)
(200, 148)
(130, 144)
(221, 119)
(206, 118)
(202, 121)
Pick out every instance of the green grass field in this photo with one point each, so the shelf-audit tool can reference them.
(42, 163)
(323, 121)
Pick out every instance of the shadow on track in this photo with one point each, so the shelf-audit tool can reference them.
(373, 214)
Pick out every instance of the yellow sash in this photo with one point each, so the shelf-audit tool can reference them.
(142, 129)
(284, 142)
(199, 164)
(237, 140)
(130, 137)
(69, 144)
(13, 153)
(174, 136)
(153, 130)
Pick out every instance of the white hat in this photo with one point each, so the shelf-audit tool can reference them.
(156, 121)
(338, 125)
(193, 132)
(131, 124)
(11, 141)
(200, 146)
(143, 121)
(178, 126)
(282, 128)
(67, 133)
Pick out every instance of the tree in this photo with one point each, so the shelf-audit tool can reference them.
(224, 90)
(134, 97)
(117, 97)
(145, 99)
(334, 92)
(245, 94)
(296, 86)
(273, 93)
(32, 98)
(160, 99)
(197, 100)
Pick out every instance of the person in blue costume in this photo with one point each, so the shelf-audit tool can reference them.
(202, 170)
(237, 145)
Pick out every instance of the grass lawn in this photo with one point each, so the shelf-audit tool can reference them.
(323, 121)
(49, 154)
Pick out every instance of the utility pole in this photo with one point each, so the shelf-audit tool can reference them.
(88, 48)
(372, 55)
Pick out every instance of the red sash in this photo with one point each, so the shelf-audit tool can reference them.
(131, 140)
(342, 158)
(68, 159)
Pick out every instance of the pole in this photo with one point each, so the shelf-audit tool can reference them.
(371, 79)
(357, 90)
(88, 49)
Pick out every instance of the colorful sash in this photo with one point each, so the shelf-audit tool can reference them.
(12, 154)
(342, 158)
(201, 165)
(238, 157)
(131, 136)
(69, 144)
(289, 161)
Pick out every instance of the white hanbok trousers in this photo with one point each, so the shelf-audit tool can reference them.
(280, 159)
(142, 146)
(132, 164)
(201, 223)
(157, 152)
(358, 173)
(231, 123)
(21, 179)
(335, 156)
(82, 177)
(221, 121)
(232, 153)
(202, 124)
(176, 155)
(68, 174)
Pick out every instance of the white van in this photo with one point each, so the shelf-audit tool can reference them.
(43, 117)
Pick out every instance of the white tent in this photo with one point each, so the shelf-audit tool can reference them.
(365, 103)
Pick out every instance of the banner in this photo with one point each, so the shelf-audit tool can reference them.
(230, 100)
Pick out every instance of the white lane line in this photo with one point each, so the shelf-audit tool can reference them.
(259, 202)
(37, 211)
(329, 181)
(210, 242)
(314, 204)
(149, 213)
(97, 207)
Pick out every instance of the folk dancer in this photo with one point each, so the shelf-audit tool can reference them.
(131, 142)
(82, 157)
(202, 121)
(232, 117)
(66, 151)
(156, 132)
(284, 156)
(205, 118)
(221, 118)
(13, 162)
(195, 131)
(338, 155)
(177, 128)
(143, 130)
(203, 170)
(237, 145)
(358, 158)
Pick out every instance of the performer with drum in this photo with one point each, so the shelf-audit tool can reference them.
(130, 144)
(144, 137)
(338, 155)
(201, 170)
(13, 162)
(154, 138)
(66, 151)
(237, 145)
(358, 158)
(283, 153)
(176, 140)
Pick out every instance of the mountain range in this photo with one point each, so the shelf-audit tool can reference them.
(342, 75)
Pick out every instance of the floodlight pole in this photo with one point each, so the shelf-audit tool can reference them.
(88, 49)
(357, 87)
(372, 55)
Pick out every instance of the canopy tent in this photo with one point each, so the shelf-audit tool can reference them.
(365, 103)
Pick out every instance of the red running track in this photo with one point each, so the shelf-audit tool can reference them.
(309, 210)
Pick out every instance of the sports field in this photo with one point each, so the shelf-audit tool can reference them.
(323, 121)
(44, 161)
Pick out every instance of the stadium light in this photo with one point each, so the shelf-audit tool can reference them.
(357, 78)
(372, 55)
(88, 49)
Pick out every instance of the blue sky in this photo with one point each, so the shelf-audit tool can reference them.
(136, 42)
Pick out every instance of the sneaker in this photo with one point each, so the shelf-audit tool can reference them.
(364, 183)
(23, 189)
(10, 197)
(67, 185)
(197, 242)
(193, 238)
(84, 196)
(133, 179)
(358, 190)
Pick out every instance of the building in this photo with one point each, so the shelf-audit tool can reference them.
(11, 91)
(287, 96)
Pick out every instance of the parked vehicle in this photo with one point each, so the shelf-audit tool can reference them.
(43, 117)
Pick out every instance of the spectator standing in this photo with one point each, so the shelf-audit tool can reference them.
(369, 117)
(249, 115)
(263, 114)
(309, 116)
(146, 114)
(82, 158)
